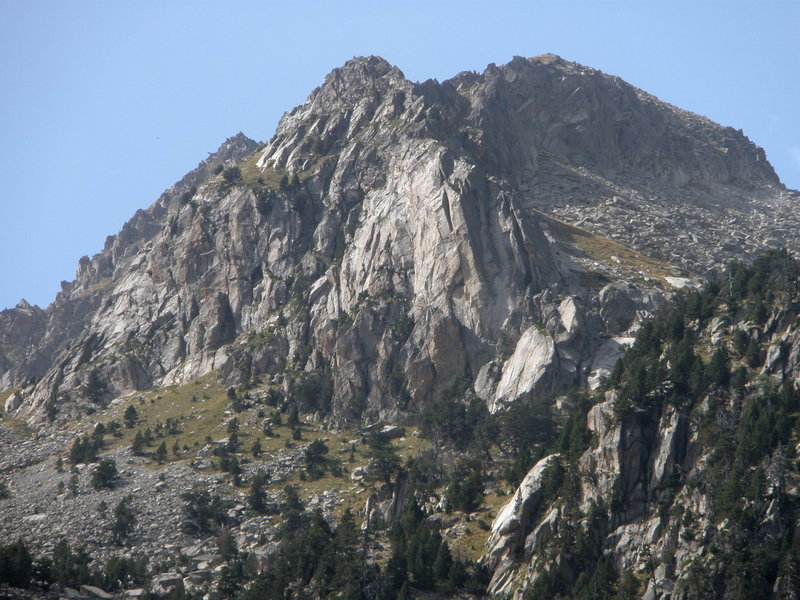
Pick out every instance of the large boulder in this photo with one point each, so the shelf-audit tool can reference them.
(512, 525)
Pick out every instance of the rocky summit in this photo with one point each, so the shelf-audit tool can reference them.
(407, 309)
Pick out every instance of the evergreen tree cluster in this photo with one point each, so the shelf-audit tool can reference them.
(205, 512)
(316, 561)
(67, 568)
(422, 560)
(746, 422)
(84, 449)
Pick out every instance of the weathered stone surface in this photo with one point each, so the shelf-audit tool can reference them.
(96, 592)
(530, 369)
(164, 583)
(394, 239)
(512, 525)
(410, 240)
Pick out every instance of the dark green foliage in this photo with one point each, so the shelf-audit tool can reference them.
(425, 471)
(124, 519)
(122, 573)
(575, 437)
(256, 498)
(752, 354)
(310, 393)
(187, 195)
(256, 450)
(628, 587)
(160, 455)
(227, 545)
(465, 492)
(16, 564)
(231, 174)
(131, 417)
(94, 388)
(84, 450)
(740, 341)
(294, 417)
(293, 512)
(422, 559)
(443, 563)
(384, 462)
(70, 568)
(451, 422)
(105, 475)
(602, 585)
(233, 434)
(228, 463)
(315, 454)
(526, 425)
(204, 512)
(718, 371)
(316, 561)
(139, 442)
(114, 428)
(229, 582)
(747, 422)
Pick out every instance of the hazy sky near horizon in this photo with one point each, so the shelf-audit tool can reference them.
(106, 104)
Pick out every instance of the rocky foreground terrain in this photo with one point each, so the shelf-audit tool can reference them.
(448, 257)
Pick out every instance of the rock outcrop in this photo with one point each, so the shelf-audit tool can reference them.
(395, 237)
(681, 486)
(510, 530)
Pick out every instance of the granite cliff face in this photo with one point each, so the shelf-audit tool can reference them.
(690, 481)
(395, 237)
(494, 238)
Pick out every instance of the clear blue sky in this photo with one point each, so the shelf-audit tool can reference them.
(106, 104)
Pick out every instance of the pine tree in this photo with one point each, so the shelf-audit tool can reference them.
(137, 447)
(131, 417)
(384, 461)
(16, 564)
(160, 455)
(718, 371)
(105, 474)
(256, 497)
(94, 388)
(294, 418)
(227, 545)
(124, 519)
(443, 563)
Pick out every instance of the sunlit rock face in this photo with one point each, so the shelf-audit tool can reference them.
(402, 239)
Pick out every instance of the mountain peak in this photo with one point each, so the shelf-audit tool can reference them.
(376, 66)
(358, 77)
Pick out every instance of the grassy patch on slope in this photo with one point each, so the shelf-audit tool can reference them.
(581, 243)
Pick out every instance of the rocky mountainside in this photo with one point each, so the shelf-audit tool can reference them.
(394, 237)
(451, 257)
(685, 484)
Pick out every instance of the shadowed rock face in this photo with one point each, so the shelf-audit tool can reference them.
(395, 237)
